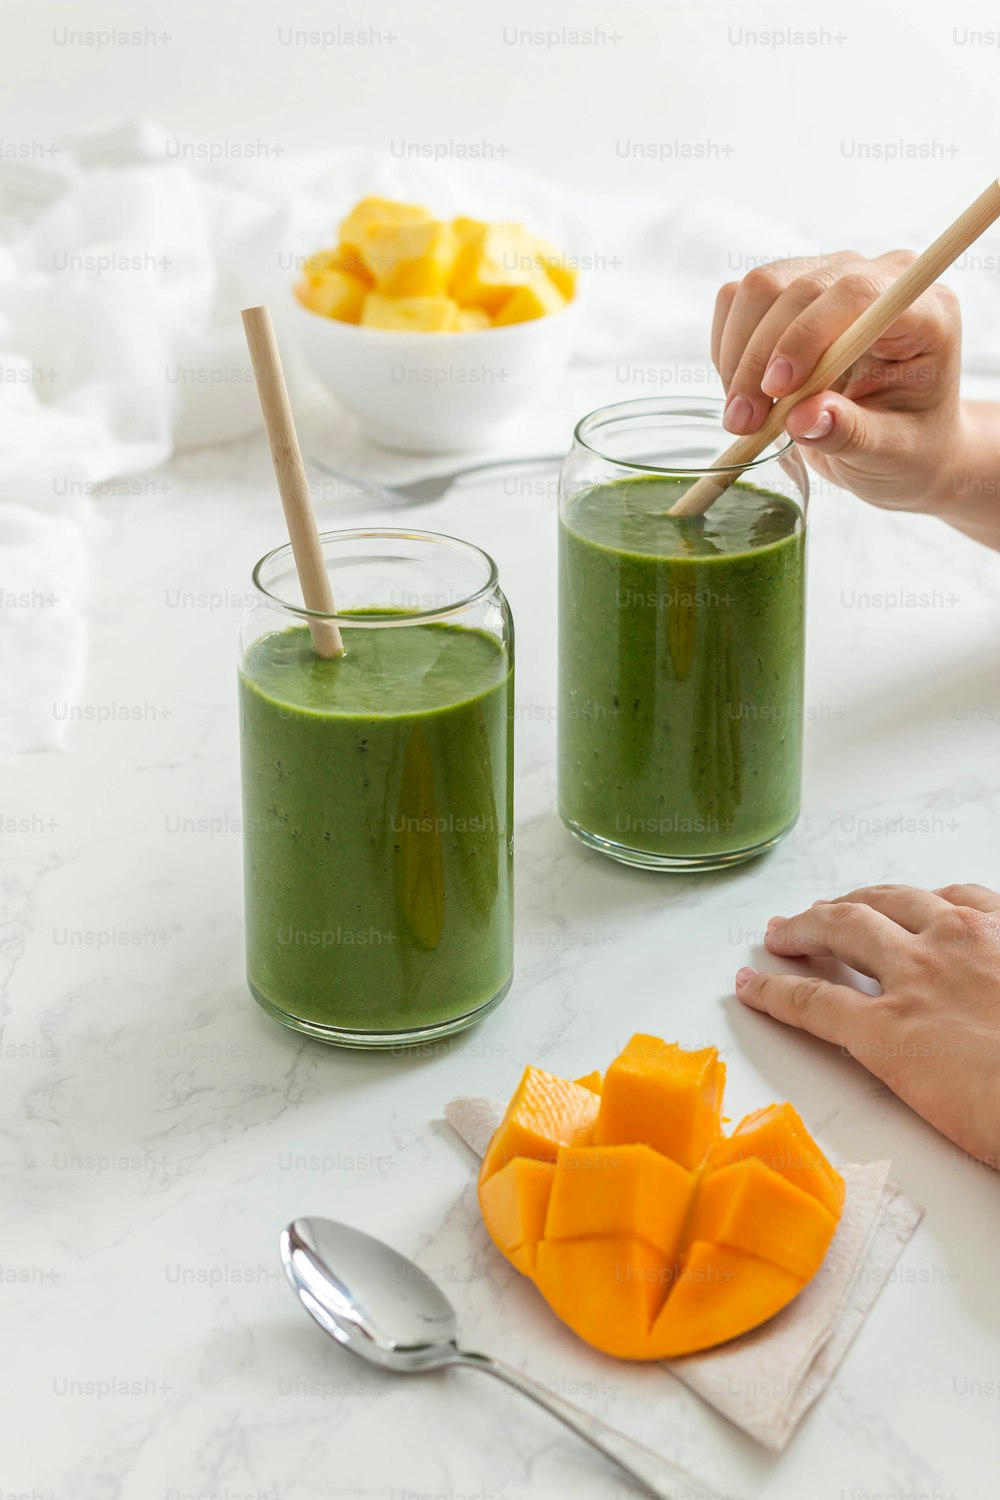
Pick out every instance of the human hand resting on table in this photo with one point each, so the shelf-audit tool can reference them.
(933, 1035)
(894, 430)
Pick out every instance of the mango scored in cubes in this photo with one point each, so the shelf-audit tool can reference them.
(441, 276)
(649, 1232)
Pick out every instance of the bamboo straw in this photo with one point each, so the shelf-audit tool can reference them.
(291, 476)
(851, 344)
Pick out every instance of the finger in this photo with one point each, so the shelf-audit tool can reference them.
(755, 295)
(856, 935)
(829, 423)
(920, 329)
(834, 1012)
(723, 305)
(979, 897)
(906, 905)
(760, 346)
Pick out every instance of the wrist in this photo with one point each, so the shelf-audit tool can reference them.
(966, 488)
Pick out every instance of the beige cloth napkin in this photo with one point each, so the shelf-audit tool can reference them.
(766, 1381)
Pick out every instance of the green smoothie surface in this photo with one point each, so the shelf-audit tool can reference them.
(385, 670)
(633, 516)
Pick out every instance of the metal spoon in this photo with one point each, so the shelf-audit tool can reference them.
(433, 486)
(380, 1305)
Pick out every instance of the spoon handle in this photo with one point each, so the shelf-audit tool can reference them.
(658, 1475)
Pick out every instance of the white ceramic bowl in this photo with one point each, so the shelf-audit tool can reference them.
(437, 392)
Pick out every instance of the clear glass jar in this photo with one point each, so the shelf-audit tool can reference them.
(681, 641)
(378, 791)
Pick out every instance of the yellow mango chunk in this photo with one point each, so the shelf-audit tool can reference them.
(514, 1202)
(468, 229)
(582, 1280)
(619, 1190)
(720, 1293)
(777, 1136)
(371, 211)
(334, 294)
(545, 1113)
(749, 1207)
(593, 1081)
(658, 1094)
(343, 258)
(410, 314)
(536, 300)
(473, 319)
(548, 259)
(411, 259)
(493, 261)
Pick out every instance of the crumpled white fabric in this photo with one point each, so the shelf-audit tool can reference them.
(125, 259)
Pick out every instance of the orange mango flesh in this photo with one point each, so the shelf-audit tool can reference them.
(719, 1293)
(618, 1190)
(749, 1207)
(545, 1113)
(778, 1137)
(661, 1095)
(583, 1280)
(648, 1232)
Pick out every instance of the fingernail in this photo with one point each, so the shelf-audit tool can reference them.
(822, 427)
(775, 922)
(738, 412)
(744, 976)
(777, 375)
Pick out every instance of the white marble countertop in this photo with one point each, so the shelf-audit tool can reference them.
(160, 1130)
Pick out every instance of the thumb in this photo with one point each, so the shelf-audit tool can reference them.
(831, 424)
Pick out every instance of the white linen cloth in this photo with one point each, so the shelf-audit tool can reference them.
(126, 256)
(767, 1380)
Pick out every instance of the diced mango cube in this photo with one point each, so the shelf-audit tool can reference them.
(619, 1190)
(467, 229)
(536, 300)
(334, 294)
(548, 259)
(749, 1207)
(410, 314)
(777, 1136)
(371, 211)
(473, 319)
(544, 1113)
(657, 1093)
(343, 258)
(493, 261)
(412, 259)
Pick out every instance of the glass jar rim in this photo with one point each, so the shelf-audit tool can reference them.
(711, 406)
(376, 618)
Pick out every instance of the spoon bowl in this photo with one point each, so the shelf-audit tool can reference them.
(368, 1297)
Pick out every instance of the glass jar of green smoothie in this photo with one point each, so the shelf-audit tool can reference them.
(378, 791)
(681, 641)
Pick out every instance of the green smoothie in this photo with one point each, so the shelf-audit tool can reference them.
(377, 802)
(680, 670)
